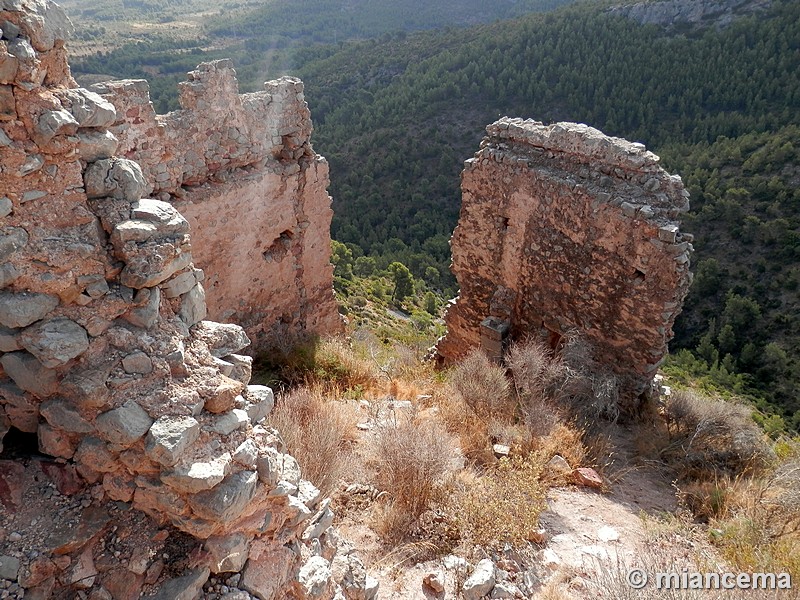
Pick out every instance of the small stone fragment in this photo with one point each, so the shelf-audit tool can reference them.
(20, 309)
(56, 122)
(9, 568)
(607, 534)
(226, 501)
(62, 414)
(227, 423)
(137, 362)
(115, 178)
(315, 579)
(222, 339)
(480, 582)
(187, 587)
(435, 581)
(88, 108)
(29, 374)
(5, 206)
(259, 402)
(242, 368)
(558, 465)
(228, 553)
(193, 306)
(224, 397)
(145, 316)
(198, 476)
(12, 239)
(94, 145)
(587, 477)
(246, 454)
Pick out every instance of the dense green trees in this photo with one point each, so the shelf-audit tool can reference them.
(396, 116)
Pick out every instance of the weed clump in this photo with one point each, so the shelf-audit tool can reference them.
(318, 432)
(504, 504)
(414, 462)
(710, 439)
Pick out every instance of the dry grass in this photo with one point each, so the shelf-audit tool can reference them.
(538, 376)
(318, 432)
(590, 391)
(330, 364)
(414, 462)
(710, 439)
(503, 505)
(758, 527)
(609, 578)
(730, 477)
(478, 406)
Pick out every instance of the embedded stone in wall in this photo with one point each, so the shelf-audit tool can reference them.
(564, 229)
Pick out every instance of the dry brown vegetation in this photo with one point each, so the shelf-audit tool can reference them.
(318, 432)
(414, 463)
(418, 459)
(730, 477)
(436, 464)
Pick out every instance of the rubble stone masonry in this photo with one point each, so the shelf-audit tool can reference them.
(105, 351)
(564, 229)
(241, 170)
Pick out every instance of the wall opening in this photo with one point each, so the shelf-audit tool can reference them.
(19, 444)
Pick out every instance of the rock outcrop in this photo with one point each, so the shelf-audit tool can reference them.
(564, 229)
(241, 170)
(105, 351)
(669, 13)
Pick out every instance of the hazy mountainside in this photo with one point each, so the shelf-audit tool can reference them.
(396, 117)
(333, 21)
(719, 102)
(162, 41)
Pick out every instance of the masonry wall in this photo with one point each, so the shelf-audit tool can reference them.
(106, 355)
(242, 171)
(565, 230)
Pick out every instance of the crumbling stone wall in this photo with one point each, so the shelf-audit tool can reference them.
(242, 171)
(105, 353)
(564, 229)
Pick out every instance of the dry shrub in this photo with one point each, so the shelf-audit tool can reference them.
(503, 505)
(479, 407)
(590, 391)
(483, 386)
(706, 499)
(608, 578)
(710, 439)
(538, 377)
(472, 432)
(567, 442)
(413, 463)
(318, 432)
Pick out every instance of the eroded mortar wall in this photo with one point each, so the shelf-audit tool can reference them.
(564, 229)
(242, 171)
(105, 353)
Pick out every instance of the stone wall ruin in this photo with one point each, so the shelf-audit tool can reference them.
(107, 357)
(241, 170)
(564, 229)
